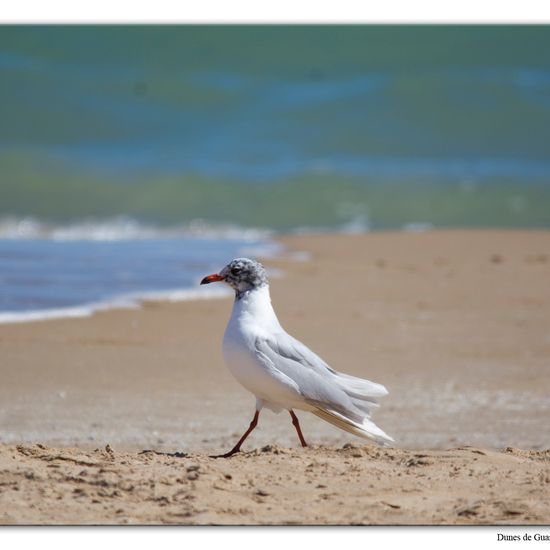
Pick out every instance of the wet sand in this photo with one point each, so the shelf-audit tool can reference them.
(456, 324)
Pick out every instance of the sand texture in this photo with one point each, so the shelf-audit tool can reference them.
(316, 486)
(456, 324)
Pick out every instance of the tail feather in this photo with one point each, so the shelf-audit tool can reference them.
(364, 394)
(360, 388)
(365, 406)
(365, 429)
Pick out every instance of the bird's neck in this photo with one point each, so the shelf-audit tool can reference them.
(255, 304)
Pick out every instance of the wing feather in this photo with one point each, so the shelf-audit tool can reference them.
(320, 384)
(358, 389)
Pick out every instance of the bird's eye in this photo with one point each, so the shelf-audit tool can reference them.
(235, 271)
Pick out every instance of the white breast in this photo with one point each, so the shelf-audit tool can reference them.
(253, 317)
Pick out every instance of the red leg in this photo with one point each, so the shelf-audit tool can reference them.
(237, 447)
(298, 429)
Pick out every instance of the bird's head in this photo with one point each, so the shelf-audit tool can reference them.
(241, 274)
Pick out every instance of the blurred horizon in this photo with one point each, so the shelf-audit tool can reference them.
(284, 127)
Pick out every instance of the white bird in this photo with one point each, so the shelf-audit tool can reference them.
(282, 372)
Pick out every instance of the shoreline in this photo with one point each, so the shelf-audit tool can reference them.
(72, 293)
(137, 300)
(121, 302)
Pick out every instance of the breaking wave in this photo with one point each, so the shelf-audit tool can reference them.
(122, 228)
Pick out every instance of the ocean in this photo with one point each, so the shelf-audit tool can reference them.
(117, 141)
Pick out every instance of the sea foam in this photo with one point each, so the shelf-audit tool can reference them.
(129, 301)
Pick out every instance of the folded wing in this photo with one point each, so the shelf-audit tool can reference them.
(343, 400)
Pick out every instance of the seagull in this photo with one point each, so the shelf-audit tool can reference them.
(280, 371)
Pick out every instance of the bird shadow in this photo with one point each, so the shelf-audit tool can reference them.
(177, 454)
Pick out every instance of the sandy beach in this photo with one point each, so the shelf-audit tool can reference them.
(456, 324)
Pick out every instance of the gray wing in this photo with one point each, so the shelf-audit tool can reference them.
(317, 380)
(343, 400)
(288, 347)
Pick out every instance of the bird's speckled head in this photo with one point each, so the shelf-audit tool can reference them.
(242, 274)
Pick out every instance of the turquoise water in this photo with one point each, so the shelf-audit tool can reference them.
(281, 127)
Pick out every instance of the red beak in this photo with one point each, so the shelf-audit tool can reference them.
(211, 279)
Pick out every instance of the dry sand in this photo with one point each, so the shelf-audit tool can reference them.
(456, 324)
(272, 485)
